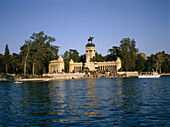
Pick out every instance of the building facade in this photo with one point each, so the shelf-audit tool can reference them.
(75, 66)
(90, 64)
(103, 66)
(56, 66)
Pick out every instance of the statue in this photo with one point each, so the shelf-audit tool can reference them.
(90, 39)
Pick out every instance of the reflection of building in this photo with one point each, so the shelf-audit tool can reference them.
(90, 64)
(56, 65)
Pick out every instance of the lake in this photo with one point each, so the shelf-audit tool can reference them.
(86, 102)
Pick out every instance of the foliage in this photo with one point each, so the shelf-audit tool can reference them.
(2, 64)
(128, 54)
(140, 63)
(68, 55)
(38, 50)
(83, 58)
(99, 57)
(114, 53)
(7, 58)
(16, 63)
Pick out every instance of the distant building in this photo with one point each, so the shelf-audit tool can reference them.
(93, 66)
(75, 66)
(143, 55)
(90, 64)
(56, 66)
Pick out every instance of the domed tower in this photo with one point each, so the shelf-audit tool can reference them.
(90, 51)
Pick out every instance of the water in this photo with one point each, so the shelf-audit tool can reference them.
(86, 102)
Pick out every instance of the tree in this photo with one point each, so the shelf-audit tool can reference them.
(38, 51)
(68, 55)
(25, 51)
(16, 63)
(160, 59)
(7, 58)
(128, 54)
(2, 64)
(99, 57)
(166, 65)
(83, 58)
(114, 53)
(42, 52)
(140, 63)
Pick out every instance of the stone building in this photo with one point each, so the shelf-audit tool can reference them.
(75, 66)
(93, 66)
(56, 66)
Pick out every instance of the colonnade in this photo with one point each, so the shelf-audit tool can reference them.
(77, 68)
(108, 68)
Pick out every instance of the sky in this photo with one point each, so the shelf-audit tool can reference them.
(71, 22)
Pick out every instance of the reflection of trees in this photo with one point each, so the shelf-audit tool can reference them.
(36, 100)
(11, 105)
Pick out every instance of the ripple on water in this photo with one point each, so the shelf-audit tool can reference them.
(86, 102)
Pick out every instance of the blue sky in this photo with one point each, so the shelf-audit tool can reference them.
(71, 22)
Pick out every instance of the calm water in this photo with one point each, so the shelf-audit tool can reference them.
(86, 102)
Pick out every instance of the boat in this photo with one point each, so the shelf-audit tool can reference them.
(17, 82)
(46, 80)
(149, 75)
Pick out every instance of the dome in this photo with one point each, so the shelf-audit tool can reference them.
(90, 45)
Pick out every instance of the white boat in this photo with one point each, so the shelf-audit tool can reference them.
(17, 82)
(149, 75)
(48, 79)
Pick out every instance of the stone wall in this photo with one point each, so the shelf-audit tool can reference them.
(66, 75)
(128, 73)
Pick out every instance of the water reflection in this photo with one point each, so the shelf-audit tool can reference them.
(85, 102)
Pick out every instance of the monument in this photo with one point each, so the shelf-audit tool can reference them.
(90, 64)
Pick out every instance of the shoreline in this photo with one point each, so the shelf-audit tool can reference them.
(71, 76)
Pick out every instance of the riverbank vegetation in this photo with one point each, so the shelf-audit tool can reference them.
(38, 51)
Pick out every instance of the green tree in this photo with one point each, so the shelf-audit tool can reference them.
(166, 65)
(16, 63)
(128, 54)
(68, 55)
(42, 52)
(25, 52)
(99, 57)
(2, 64)
(38, 51)
(7, 58)
(160, 59)
(114, 53)
(150, 63)
(83, 58)
(140, 63)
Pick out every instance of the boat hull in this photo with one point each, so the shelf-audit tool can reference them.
(18, 82)
(148, 76)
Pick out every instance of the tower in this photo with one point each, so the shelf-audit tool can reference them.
(90, 52)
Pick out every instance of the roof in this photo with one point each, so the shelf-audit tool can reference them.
(90, 45)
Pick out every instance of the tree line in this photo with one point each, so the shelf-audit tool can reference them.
(38, 51)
